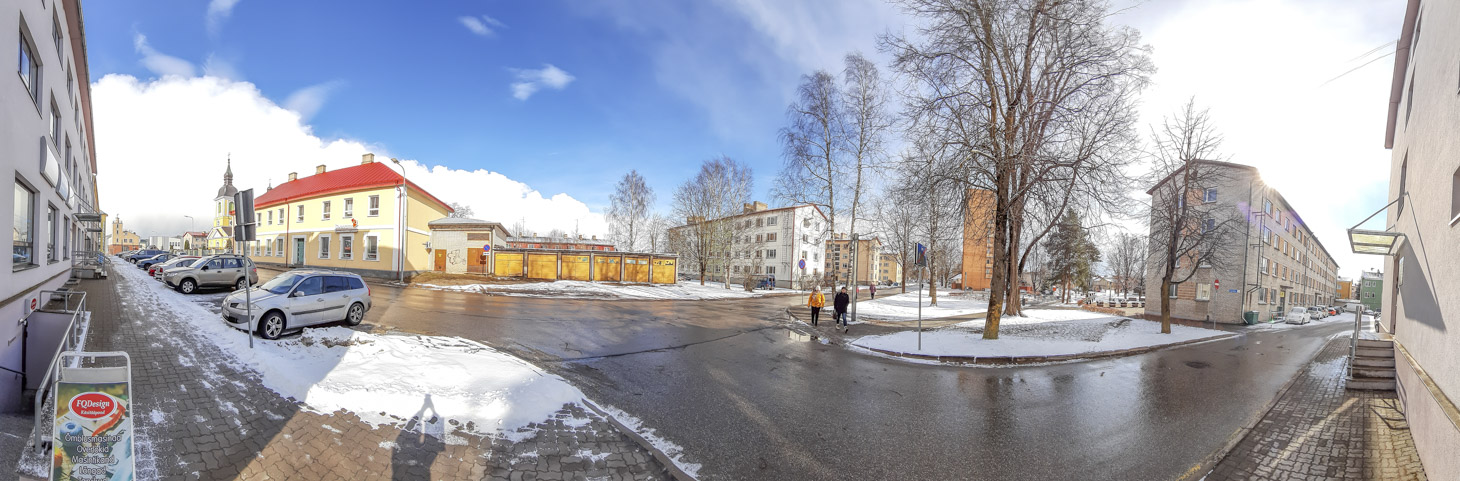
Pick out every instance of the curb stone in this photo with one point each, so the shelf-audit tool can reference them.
(664, 460)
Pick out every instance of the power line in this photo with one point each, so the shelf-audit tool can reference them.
(1376, 59)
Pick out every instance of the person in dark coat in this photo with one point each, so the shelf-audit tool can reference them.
(841, 302)
(873, 288)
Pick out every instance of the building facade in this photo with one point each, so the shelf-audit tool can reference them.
(785, 244)
(194, 243)
(1277, 264)
(220, 236)
(122, 240)
(844, 256)
(888, 269)
(1418, 308)
(367, 219)
(460, 246)
(1371, 290)
(1345, 288)
(978, 240)
(48, 149)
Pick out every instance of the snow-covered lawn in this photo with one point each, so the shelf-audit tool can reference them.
(589, 290)
(904, 307)
(384, 379)
(1039, 333)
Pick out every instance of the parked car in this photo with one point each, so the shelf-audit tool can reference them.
(1299, 315)
(299, 298)
(1332, 311)
(178, 261)
(220, 270)
(142, 254)
(1315, 313)
(157, 259)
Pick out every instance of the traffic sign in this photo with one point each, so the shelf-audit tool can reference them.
(801, 263)
(1216, 284)
(487, 248)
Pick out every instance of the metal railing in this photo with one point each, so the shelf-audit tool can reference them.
(69, 342)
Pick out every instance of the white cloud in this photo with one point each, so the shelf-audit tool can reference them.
(216, 66)
(160, 63)
(481, 25)
(307, 101)
(218, 11)
(529, 81)
(193, 124)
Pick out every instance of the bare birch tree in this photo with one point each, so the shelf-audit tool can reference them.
(1188, 234)
(628, 210)
(810, 145)
(706, 201)
(896, 220)
(460, 211)
(867, 123)
(1127, 253)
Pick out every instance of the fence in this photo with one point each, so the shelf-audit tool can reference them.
(69, 341)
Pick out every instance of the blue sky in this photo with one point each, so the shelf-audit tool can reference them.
(658, 86)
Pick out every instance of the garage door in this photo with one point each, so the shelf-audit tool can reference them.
(542, 266)
(508, 264)
(636, 269)
(606, 268)
(575, 268)
(664, 271)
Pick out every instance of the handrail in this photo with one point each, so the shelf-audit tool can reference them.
(68, 343)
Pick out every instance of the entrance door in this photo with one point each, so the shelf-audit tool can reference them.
(298, 251)
(440, 260)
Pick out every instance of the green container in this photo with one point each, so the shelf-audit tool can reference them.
(1250, 317)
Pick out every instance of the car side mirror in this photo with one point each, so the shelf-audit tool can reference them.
(205, 268)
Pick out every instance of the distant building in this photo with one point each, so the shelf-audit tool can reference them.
(888, 269)
(195, 243)
(220, 237)
(367, 219)
(565, 243)
(122, 240)
(1371, 290)
(978, 240)
(1345, 288)
(768, 243)
(844, 255)
(1280, 263)
(459, 245)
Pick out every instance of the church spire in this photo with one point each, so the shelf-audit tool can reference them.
(228, 174)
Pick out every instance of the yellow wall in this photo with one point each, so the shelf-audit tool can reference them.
(420, 211)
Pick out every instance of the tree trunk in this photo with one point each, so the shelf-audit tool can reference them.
(1166, 304)
(999, 286)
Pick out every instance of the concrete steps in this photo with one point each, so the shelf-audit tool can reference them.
(1372, 367)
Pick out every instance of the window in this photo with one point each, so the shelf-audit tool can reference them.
(1267, 206)
(1266, 235)
(347, 246)
(349, 207)
(374, 206)
(758, 222)
(372, 248)
(770, 270)
(232, 263)
(1172, 291)
(324, 247)
(1203, 291)
(51, 225)
(806, 223)
(271, 218)
(770, 221)
(300, 216)
(770, 237)
(1210, 195)
(759, 238)
(805, 238)
(1208, 225)
(55, 124)
(1262, 265)
(71, 90)
(326, 211)
(770, 254)
(22, 227)
(30, 69)
(56, 35)
(1403, 178)
(735, 269)
(335, 284)
(1262, 296)
(312, 286)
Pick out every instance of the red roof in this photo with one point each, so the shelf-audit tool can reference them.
(363, 176)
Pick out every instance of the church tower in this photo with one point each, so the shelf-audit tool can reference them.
(220, 237)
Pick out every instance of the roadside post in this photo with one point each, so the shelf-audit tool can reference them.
(920, 261)
(854, 279)
(244, 225)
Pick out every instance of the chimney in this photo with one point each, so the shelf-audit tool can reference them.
(319, 169)
(293, 176)
(367, 159)
(758, 206)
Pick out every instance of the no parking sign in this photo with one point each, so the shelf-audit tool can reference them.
(487, 248)
(801, 263)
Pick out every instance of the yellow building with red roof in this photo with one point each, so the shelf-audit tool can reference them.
(348, 219)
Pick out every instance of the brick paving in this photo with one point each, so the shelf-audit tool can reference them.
(1320, 430)
(201, 417)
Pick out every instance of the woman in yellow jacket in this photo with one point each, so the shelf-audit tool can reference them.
(816, 302)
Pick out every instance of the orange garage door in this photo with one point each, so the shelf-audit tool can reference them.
(606, 268)
(636, 269)
(664, 271)
(508, 264)
(542, 266)
(575, 268)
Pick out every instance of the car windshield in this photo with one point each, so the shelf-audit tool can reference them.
(281, 284)
(197, 264)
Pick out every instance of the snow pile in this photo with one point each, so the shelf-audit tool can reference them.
(904, 307)
(590, 290)
(1039, 333)
(384, 379)
(671, 450)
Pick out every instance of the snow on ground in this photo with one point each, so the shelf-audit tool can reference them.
(1280, 325)
(1039, 333)
(588, 290)
(673, 451)
(384, 379)
(904, 307)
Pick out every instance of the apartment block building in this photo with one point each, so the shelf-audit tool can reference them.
(1278, 263)
(785, 244)
(1371, 290)
(857, 261)
(1418, 308)
(888, 269)
(47, 146)
(366, 218)
(978, 240)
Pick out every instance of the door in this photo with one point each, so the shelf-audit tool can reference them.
(476, 261)
(298, 251)
(232, 270)
(336, 298)
(211, 273)
(636, 269)
(606, 268)
(575, 267)
(440, 260)
(664, 271)
(508, 264)
(306, 303)
(542, 266)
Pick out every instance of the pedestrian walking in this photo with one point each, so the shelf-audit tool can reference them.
(874, 290)
(816, 302)
(841, 302)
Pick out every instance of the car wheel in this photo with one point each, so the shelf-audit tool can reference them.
(187, 286)
(356, 314)
(271, 326)
(242, 283)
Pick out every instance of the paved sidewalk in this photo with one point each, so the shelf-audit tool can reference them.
(1319, 430)
(199, 418)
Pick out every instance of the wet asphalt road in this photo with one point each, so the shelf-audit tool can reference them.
(749, 399)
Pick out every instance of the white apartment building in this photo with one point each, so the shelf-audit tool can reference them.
(785, 244)
(45, 136)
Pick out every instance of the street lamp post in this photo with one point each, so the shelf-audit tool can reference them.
(400, 207)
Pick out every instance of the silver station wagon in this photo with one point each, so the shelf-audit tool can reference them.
(300, 298)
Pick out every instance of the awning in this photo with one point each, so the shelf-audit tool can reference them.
(1373, 242)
